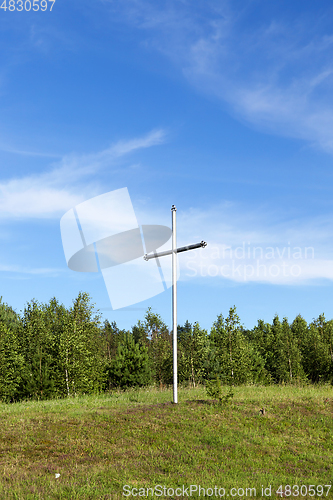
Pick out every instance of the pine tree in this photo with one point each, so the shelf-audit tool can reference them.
(131, 365)
(37, 377)
(112, 337)
(141, 332)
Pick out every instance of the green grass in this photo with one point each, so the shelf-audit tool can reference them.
(98, 444)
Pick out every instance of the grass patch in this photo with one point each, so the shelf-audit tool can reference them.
(138, 438)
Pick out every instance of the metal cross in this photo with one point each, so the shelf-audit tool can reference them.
(174, 252)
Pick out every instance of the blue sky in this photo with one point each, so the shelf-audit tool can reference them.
(223, 108)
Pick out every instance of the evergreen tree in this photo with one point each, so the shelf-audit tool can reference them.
(141, 332)
(112, 337)
(131, 365)
(37, 377)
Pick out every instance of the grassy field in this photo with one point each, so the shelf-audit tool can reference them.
(100, 444)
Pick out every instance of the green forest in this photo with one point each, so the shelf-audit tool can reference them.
(48, 351)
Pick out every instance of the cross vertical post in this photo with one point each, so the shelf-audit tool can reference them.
(174, 251)
(174, 302)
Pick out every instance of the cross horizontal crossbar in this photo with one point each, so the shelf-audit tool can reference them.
(202, 244)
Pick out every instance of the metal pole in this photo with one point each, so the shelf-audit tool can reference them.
(174, 302)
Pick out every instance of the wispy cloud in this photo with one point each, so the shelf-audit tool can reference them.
(21, 152)
(65, 183)
(73, 166)
(42, 271)
(121, 148)
(273, 68)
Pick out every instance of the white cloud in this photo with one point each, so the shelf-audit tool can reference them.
(53, 192)
(121, 148)
(255, 245)
(26, 198)
(268, 80)
(43, 271)
(274, 71)
(15, 151)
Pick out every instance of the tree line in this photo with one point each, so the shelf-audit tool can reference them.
(48, 351)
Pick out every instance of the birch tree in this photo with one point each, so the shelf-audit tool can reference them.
(233, 349)
(193, 352)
